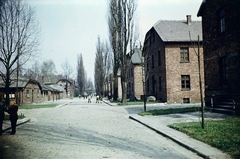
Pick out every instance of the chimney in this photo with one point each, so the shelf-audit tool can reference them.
(189, 19)
(42, 80)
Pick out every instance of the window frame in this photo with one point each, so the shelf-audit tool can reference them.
(185, 83)
(186, 100)
(153, 61)
(160, 83)
(184, 55)
(221, 21)
(159, 58)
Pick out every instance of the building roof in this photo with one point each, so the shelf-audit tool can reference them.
(22, 83)
(178, 31)
(137, 56)
(201, 9)
(64, 80)
(57, 88)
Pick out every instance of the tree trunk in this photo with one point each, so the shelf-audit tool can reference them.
(7, 87)
(124, 92)
(115, 88)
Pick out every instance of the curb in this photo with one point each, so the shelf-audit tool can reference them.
(173, 139)
(62, 105)
(20, 122)
(108, 103)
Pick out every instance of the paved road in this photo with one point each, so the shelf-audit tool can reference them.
(87, 131)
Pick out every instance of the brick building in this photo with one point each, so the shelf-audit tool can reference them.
(68, 85)
(134, 76)
(221, 43)
(29, 91)
(171, 62)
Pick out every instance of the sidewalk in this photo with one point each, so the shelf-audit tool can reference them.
(159, 124)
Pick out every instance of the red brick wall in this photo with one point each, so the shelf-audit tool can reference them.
(34, 95)
(134, 81)
(170, 70)
(217, 45)
(174, 70)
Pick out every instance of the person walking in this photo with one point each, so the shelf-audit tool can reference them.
(2, 108)
(89, 98)
(12, 111)
(97, 99)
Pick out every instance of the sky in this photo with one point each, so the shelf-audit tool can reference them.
(71, 27)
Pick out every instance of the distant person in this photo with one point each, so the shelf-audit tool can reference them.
(2, 108)
(89, 98)
(109, 97)
(12, 110)
(97, 99)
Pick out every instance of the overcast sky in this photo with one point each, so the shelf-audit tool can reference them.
(71, 27)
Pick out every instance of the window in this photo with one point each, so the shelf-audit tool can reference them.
(27, 93)
(148, 85)
(153, 85)
(10, 95)
(160, 83)
(185, 82)
(186, 100)
(221, 21)
(159, 58)
(38, 93)
(184, 54)
(152, 61)
(223, 70)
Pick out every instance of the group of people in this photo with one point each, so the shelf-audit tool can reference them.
(13, 116)
(98, 99)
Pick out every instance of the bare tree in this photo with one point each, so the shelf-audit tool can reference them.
(34, 72)
(81, 80)
(103, 65)
(18, 38)
(67, 69)
(122, 29)
(48, 71)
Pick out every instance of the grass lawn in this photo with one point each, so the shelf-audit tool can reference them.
(32, 106)
(138, 103)
(170, 111)
(6, 116)
(222, 134)
(36, 106)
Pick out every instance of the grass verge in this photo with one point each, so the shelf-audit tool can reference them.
(136, 103)
(170, 111)
(6, 116)
(36, 106)
(222, 134)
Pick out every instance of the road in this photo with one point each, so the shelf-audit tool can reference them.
(87, 131)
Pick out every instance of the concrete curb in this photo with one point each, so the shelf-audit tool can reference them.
(108, 103)
(62, 105)
(19, 122)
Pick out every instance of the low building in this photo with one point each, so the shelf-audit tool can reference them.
(68, 85)
(25, 90)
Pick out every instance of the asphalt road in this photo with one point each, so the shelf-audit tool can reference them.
(87, 131)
